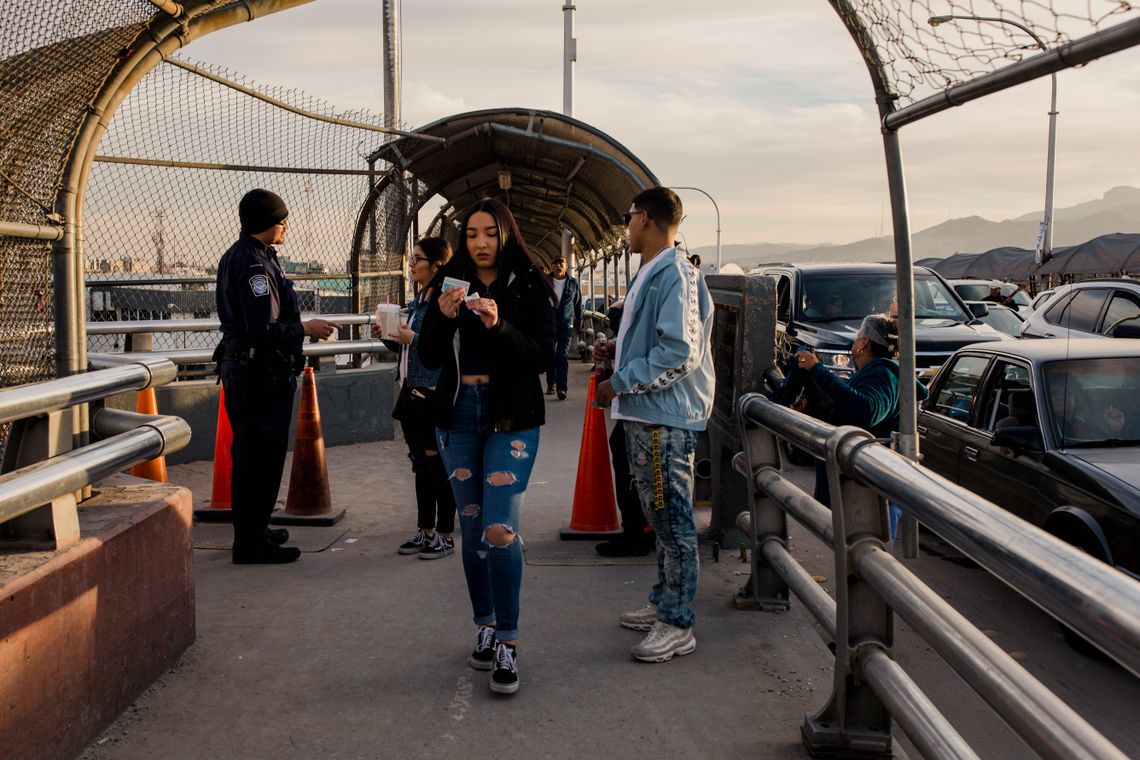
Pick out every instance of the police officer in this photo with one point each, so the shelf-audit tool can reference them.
(259, 359)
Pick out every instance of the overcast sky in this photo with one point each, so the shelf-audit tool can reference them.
(765, 104)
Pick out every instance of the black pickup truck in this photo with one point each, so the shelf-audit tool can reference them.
(821, 306)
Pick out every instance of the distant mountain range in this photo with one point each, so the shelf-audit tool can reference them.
(1117, 211)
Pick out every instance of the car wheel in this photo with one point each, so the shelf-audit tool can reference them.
(1087, 544)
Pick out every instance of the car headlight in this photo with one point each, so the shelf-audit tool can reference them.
(835, 359)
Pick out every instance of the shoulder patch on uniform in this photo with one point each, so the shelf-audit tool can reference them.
(260, 284)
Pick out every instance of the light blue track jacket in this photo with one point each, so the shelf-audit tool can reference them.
(666, 373)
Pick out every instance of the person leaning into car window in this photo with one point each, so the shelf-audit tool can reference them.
(995, 296)
(870, 398)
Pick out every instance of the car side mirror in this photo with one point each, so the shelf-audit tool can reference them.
(979, 309)
(1019, 440)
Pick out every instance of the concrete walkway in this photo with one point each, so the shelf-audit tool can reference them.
(356, 652)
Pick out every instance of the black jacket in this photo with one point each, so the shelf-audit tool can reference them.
(522, 346)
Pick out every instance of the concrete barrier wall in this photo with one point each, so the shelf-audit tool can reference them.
(84, 631)
(356, 407)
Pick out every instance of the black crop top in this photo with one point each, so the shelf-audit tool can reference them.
(474, 340)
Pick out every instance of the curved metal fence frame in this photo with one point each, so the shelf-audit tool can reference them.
(893, 118)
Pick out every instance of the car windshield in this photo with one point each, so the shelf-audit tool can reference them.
(972, 292)
(833, 296)
(1020, 298)
(1095, 402)
(1002, 319)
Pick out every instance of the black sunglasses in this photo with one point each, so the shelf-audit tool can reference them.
(628, 216)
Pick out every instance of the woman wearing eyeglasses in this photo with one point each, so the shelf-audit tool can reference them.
(415, 409)
(492, 341)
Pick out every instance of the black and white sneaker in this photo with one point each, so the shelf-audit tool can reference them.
(483, 658)
(415, 544)
(438, 546)
(505, 679)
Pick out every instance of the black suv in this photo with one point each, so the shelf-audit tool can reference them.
(822, 305)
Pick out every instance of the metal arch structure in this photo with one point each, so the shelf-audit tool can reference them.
(894, 113)
(552, 170)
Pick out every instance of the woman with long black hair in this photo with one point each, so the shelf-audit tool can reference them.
(415, 409)
(492, 336)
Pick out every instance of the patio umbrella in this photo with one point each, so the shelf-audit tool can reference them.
(1107, 254)
(1006, 263)
(954, 267)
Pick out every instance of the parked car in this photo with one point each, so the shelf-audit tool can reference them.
(977, 290)
(1041, 298)
(1050, 431)
(1001, 318)
(822, 305)
(1087, 309)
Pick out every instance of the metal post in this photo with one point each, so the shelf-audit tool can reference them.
(605, 285)
(765, 589)
(904, 276)
(391, 46)
(570, 55)
(854, 722)
(1045, 240)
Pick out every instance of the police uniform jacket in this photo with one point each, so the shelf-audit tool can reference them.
(258, 307)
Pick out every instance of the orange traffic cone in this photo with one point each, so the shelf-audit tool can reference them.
(221, 498)
(309, 501)
(595, 513)
(155, 469)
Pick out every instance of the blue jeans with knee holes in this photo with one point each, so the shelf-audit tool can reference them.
(488, 472)
(661, 462)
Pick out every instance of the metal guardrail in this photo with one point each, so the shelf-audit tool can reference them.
(205, 356)
(1100, 603)
(133, 438)
(196, 325)
(185, 357)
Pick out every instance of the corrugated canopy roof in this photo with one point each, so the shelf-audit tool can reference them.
(562, 173)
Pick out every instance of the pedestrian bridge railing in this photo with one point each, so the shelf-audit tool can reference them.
(870, 688)
(140, 341)
(45, 467)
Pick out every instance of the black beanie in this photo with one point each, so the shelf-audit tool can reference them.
(259, 210)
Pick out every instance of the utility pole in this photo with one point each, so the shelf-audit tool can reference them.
(570, 56)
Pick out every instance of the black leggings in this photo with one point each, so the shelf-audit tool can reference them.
(435, 504)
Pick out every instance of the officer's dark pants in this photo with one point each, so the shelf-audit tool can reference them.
(629, 501)
(260, 407)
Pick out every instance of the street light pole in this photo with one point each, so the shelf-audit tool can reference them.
(1045, 247)
(717, 209)
(569, 57)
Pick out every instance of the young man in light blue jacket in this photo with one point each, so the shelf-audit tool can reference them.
(661, 391)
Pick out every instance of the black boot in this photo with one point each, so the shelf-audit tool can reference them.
(265, 554)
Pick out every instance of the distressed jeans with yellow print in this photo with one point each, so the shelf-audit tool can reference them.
(488, 472)
(661, 462)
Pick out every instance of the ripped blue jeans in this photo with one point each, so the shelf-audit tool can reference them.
(488, 472)
(661, 463)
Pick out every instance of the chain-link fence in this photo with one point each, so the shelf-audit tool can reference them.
(970, 38)
(161, 205)
(53, 58)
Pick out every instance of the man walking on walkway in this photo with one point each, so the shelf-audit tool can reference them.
(662, 390)
(567, 316)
